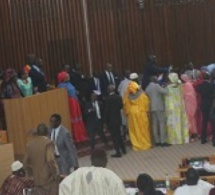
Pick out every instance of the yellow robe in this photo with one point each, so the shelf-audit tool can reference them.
(138, 121)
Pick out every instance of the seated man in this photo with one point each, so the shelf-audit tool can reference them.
(94, 180)
(194, 185)
(209, 167)
(17, 181)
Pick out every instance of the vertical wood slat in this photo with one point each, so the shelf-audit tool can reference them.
(25, 114)
(120, 32)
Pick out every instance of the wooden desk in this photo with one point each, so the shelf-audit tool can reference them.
(6, 159)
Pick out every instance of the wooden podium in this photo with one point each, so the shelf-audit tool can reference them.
(6, 159)
(24, 114)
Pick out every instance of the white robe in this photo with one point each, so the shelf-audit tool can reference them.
(202, 188)
(122, 90)
(92, 181)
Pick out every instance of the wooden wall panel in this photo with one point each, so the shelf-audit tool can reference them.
(119, 32)
(23, 115)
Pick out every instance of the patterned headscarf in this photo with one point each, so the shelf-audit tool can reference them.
(173, 77)
(133, 87)
(62, 76)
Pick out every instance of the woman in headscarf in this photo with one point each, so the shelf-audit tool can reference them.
(25, 83)
(9, 87)
(177, 123)
(198, 82)
(136, 106)
(8, 90)
(77, 125)
(190, 100)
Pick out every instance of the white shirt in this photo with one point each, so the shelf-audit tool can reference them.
(131, 191)
(208, 167)
(110, 77)
(202, 188)
(54, 135)
(97, 84)
(96, 106)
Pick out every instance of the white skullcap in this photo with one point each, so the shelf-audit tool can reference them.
(133, 76)
(17, 165)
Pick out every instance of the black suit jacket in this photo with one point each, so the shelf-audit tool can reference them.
(91, 84)
(91, 118)
(113, 106)
(38, 80)
(105, 82)
(150, 70)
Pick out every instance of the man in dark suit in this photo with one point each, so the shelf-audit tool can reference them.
(108, 77)
(113, 121)
(38, 76)
(94, 84)
(152, 70)
(65, 151)
(207, 91)
(94, 125)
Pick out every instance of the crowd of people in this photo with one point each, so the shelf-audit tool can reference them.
(164, 109)
(39, 175)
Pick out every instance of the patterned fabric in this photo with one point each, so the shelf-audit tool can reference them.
(177, 123)
(92, 181)
(14, 185)
(77, 124)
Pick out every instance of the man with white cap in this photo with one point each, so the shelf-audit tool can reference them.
(17, 181)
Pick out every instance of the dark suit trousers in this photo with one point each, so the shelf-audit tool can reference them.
(117, 139)
(212, 119)
(205, 120)
(96, 129)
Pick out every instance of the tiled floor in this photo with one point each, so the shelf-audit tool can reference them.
(156, 161)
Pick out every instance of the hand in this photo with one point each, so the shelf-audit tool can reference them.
(35, 89)
(63, 176)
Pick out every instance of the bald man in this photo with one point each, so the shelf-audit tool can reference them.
(113, 120)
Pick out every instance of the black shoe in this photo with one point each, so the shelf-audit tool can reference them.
(124, 151)
(203, 141)
(165, 145)
(157, 144)
(116, 155)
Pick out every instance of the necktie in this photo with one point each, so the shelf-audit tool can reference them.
(53, 138)
(110, 78)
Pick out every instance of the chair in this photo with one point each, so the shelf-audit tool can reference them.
(27, 191)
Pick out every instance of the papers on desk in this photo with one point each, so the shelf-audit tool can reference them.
(163, 190)
(197, 164)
